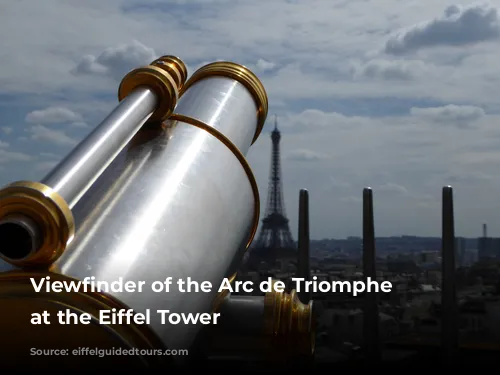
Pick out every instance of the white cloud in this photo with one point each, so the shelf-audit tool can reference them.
(49, 155)
(53, 115)
(45, 166)
(115, 62)
(305, 155)
(450, 114)
(79, 124)
(402, 70)
(336, 183)
(393, 189)
(42, 133)
(13, 156)
(264, 65)
(459, 26)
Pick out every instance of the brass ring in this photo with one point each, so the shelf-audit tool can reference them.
(289, 323)
(157, 80)
(50, 212)
(272, 311)
(174, 66)
(244, 76)
(248, 170)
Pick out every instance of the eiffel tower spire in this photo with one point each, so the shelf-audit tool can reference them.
(275, 235)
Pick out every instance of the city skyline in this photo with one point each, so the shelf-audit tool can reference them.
(401, 97)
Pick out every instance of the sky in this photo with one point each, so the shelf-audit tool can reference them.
(400, 96)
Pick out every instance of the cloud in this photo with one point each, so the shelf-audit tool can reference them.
(397, 70)
(53, 115)
(42, 133)
(305, 155)
(336, 183)
(80, 124)
(457, 115)
(468, 177)
(458, 26)
(351, 199)
(7, 156)
(49, 155)
(45, 166)
(393, 188)
(264, 65)
(117, 61)
(315, 119)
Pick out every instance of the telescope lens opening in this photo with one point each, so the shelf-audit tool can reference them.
(18, 238)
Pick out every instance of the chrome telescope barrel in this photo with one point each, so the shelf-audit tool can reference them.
(179, 201)
(36, 218)
(274, 328)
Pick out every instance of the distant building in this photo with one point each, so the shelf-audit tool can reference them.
(460, 247)
(428, 257)
(347, 326)
(488, 248)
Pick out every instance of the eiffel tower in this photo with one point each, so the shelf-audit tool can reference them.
(275, 241)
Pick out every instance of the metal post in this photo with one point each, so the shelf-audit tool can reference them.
(371, 313)
(303, 266)
(78, 171)
(449, 313)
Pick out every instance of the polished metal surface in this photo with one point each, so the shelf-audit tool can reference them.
(242, 332)
(177, 203)
(183, 213)
(224, 104)
(275, 326)
(242, 315)
(76, 173)
(151, 205)
(228, 106)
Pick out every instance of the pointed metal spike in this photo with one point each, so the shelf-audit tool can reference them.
(371, 336)
(303, 264)
(368, 220)
(449, 305)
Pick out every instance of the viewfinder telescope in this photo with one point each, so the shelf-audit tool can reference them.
(36, 218)
(178, 200)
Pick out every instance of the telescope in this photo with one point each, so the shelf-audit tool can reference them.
(160, 191)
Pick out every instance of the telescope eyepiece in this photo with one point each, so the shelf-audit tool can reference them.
(19, 237)
(39, 219)
(165, 77)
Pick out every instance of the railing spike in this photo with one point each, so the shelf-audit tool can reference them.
(371, 338)
(303, 266)
(449, 306)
